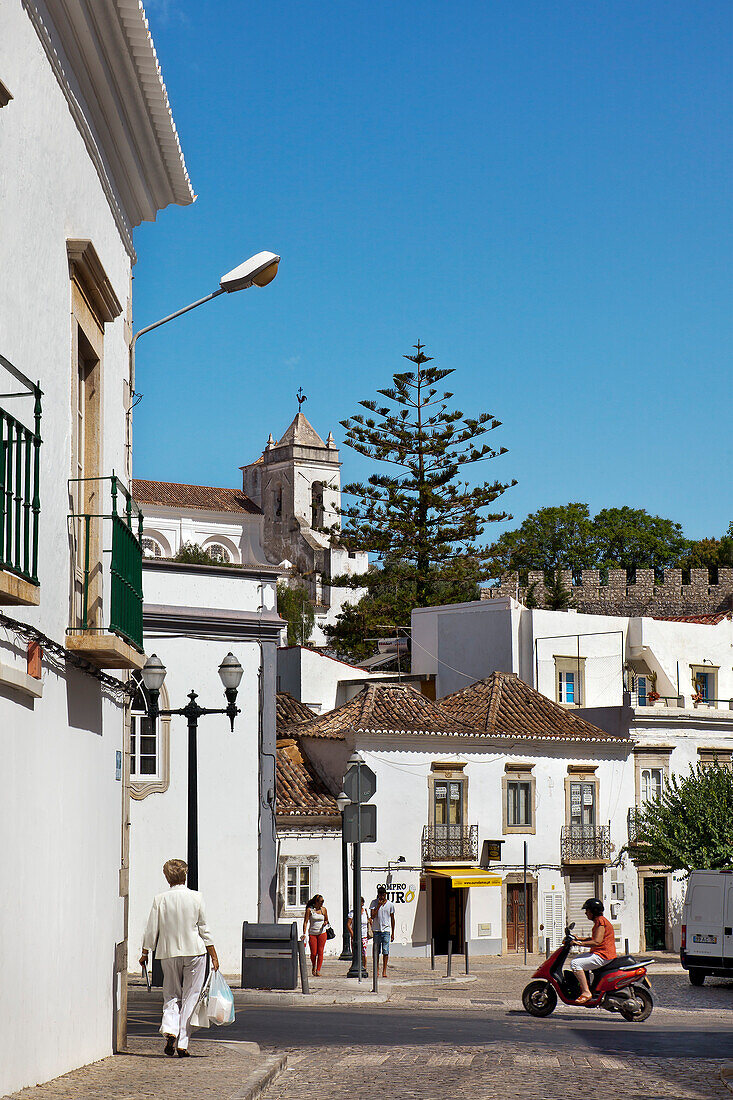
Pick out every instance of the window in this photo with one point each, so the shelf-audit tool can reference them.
(641, 691)
(651, 783)
(518, 802)
(277, 501)
(570, 681)
(448, 802)
(151, 548)
(583, 803)
(298, 886)
(217, 552)
(317, 505)
(144, 755)
(708, 756)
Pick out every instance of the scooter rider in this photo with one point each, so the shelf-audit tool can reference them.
(602, 944)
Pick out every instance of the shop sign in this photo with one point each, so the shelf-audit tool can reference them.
(399, 893)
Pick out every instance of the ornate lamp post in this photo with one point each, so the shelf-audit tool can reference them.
(153, 675)
(342, 802)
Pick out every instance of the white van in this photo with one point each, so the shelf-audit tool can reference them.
(707, 926)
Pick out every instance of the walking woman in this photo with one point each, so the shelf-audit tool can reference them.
(315, 923)
(178, 934)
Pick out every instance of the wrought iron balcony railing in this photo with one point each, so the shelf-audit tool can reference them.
(124, 531)
(20, 506)
(580, 843)
(449, 843)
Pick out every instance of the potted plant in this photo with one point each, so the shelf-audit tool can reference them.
(653, 696)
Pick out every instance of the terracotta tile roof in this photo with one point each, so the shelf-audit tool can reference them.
(300, 790)
(502, 705)
(707, 618)
(170, 494)
(387, 708)
(290, 711)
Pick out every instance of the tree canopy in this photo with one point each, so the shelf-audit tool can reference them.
(417, 515)
(690, 825)
(568, 537)
(294, 605)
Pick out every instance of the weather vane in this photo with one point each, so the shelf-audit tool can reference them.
(301, 397)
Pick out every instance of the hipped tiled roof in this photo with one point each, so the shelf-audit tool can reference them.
(290, 711)
(300, 790)
(387, 708)
(504, 706)
(171, 494)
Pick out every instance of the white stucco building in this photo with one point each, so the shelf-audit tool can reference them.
(89, 149)
(663, 687)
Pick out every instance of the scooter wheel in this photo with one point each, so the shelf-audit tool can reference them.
(644, 997)
(539, 999)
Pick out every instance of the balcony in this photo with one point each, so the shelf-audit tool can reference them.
(20, 451)
(585, 843)
(450, 844)
(111, 639)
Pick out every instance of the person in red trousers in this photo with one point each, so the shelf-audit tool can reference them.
(315, 924)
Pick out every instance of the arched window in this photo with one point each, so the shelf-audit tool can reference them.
(218, 553)
(151, 548)
(317, 505)
(144, 748)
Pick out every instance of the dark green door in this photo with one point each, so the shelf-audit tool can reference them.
(655, 907)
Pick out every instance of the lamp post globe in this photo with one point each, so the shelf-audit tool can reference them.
(230, 672)
(342, 801)
(153, 673)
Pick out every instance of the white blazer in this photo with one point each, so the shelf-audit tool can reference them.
(177, 924)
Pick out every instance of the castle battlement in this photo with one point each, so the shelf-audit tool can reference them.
(640, 593)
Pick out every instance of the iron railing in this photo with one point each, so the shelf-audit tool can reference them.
(449, 843)
(20, 505)
(126, 555)
(585, 842)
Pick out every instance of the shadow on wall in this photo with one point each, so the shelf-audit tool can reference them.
(83, 701)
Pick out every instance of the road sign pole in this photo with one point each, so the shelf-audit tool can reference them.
(357, 968)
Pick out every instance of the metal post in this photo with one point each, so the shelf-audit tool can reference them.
(626, 945)
(450, 957)
(432, 952)
(548, 947)
(193, 821)
(304, 983)
(345, 945)
(375, 966)
(357, 967)
(524, 883)
(465, 952)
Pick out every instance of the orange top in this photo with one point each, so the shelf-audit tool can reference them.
(607, 948)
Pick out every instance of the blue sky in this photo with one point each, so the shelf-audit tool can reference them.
(539, 192)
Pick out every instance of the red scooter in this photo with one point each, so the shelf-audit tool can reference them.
(619, 986)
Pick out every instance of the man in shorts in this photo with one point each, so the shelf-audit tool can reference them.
(602, 944)
(382, 914)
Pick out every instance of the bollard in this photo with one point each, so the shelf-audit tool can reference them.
(450, 957)
(304, 983)
(375, 966)
(626, 946)
(432, 953)
(548, 947)
(465, 952)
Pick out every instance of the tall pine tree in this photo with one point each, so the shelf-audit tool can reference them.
(421, 516)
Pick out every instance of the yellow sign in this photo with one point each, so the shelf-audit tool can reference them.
(471, 876)
(489, 880)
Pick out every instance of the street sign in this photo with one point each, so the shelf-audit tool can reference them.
(367, 815)
(367, 783)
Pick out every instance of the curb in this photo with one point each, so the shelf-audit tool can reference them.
(726, 1075)
(262, 1077)
(307, 1000)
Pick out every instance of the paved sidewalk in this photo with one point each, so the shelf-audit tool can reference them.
(216, 1070)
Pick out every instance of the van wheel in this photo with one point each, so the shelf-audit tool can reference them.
(645, 999)
(539, 999)
(697, 977)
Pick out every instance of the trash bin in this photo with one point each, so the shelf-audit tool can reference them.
(269, 956)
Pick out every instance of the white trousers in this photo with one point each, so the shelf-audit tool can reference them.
(183, 980)
(587, 961)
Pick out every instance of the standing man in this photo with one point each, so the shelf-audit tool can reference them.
(382, 914)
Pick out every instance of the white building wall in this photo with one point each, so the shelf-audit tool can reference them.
(61, 812)
(322, 848)
(319, 681)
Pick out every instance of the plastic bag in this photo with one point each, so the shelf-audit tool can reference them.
(220, 1007)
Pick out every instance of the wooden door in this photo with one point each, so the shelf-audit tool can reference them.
(517, 927)
(655, 904)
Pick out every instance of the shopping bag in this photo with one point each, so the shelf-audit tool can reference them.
(200, 1014)
(220, 1007)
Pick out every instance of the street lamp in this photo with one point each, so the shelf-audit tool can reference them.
(258, 270)
(342, 802)
(230, 673)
